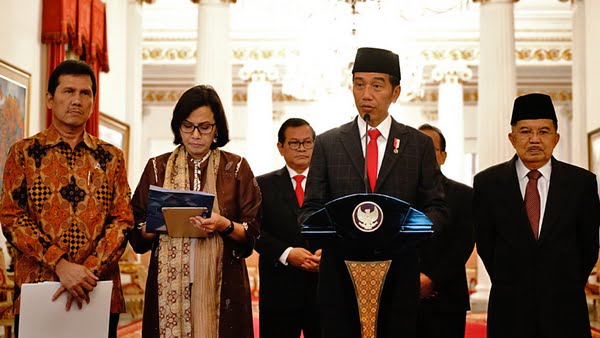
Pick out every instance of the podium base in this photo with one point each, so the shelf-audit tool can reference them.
(368, 279)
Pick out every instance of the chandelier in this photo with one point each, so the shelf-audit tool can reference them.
(335, 29)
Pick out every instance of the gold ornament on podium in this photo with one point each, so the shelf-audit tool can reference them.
(368, 279)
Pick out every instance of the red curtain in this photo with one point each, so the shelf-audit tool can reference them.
(82, 25)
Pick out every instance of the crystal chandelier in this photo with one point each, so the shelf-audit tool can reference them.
(335, 29)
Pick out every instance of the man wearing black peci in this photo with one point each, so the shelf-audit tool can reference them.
(401, 163)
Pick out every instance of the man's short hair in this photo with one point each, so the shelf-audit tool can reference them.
(71, 67)
(428, 126)
(292, 123)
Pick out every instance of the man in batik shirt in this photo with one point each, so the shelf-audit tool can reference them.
(65, 202)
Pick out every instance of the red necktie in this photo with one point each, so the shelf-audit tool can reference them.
(299, 190)
(372, 157)
(532, 201)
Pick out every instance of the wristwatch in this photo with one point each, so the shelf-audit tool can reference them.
(229, 229)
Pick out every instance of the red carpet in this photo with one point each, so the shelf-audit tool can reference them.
(475, 328)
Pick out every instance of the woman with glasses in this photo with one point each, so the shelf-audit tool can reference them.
(199, 287)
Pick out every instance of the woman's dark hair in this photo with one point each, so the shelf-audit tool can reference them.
(71, 67)
(194, 98)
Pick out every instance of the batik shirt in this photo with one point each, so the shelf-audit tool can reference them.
(62, 202)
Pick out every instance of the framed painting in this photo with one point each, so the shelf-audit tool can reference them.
(14, 108)
(115, 132)
(594, 153)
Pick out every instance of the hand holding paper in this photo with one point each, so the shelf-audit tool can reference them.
(78, 280)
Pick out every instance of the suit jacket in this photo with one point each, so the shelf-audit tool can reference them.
(411, 174)
(281, 286)
(443, 258)
(537, 285)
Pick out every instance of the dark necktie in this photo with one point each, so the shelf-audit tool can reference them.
(299, 191)
(372, 157)
(532, 201)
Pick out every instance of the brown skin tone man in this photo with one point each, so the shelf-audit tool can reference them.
(288, 264)
(444, 290)
(536, 220)
(65, 202)
(404, 168)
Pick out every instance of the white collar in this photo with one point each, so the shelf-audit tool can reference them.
(522, 170)
(383, 127)
(293, 172)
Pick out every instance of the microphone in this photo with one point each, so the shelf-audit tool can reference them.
(367, 118)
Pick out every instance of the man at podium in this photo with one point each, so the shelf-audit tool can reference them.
(399, 162)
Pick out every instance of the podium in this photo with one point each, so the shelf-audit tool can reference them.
(370, 242)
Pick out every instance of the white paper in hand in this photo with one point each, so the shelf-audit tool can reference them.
(43, 318)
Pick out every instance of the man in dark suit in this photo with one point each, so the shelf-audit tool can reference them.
(288, 266)
(536, 222)
(444, 289)
(401, 163)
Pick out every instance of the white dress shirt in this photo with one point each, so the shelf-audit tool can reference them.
(384, 128)
(543, 184)
(286, 253)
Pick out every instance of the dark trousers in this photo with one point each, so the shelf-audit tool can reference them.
(288, 323)
(113, 323)
(439, 324)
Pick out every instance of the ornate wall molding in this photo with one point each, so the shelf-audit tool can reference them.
(168, 54)
(471, 95)
(523, 54)
(187, 51)
(170, 96)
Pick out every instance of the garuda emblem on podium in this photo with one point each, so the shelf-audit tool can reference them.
(367, 216)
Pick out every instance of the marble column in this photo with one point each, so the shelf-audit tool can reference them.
(213, 65)
(579, 146)
(451, 76)
(259, 127)
(497, 91)
(133, 91)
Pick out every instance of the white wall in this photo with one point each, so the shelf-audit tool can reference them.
(592, 67)
(20, 46)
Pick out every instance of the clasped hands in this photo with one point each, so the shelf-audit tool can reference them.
(77, 280)
(426, 290)
(304, 259)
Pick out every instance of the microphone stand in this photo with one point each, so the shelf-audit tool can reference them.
(367, 118)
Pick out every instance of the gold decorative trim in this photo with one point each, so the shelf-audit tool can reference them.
(169, 54)
(521, 54)
(471, 95)
(368, 279)
(186, 53)
(168, 96)
(223, 1)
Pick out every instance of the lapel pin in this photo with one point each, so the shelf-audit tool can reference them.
(396, 145)
(97, 166)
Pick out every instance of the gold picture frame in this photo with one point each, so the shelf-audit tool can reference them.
(115, 132)
(15, 86)
(594, 153)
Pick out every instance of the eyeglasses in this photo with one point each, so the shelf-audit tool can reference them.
(295, 145)
(203, 128)
(543, 134)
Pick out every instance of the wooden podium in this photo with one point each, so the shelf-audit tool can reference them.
(371, 235)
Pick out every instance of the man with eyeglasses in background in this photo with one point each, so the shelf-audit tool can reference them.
(287, 264)
(536, 221)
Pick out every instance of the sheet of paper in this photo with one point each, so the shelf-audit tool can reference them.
(41, 317)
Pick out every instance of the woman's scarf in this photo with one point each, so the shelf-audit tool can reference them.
(183, 312)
